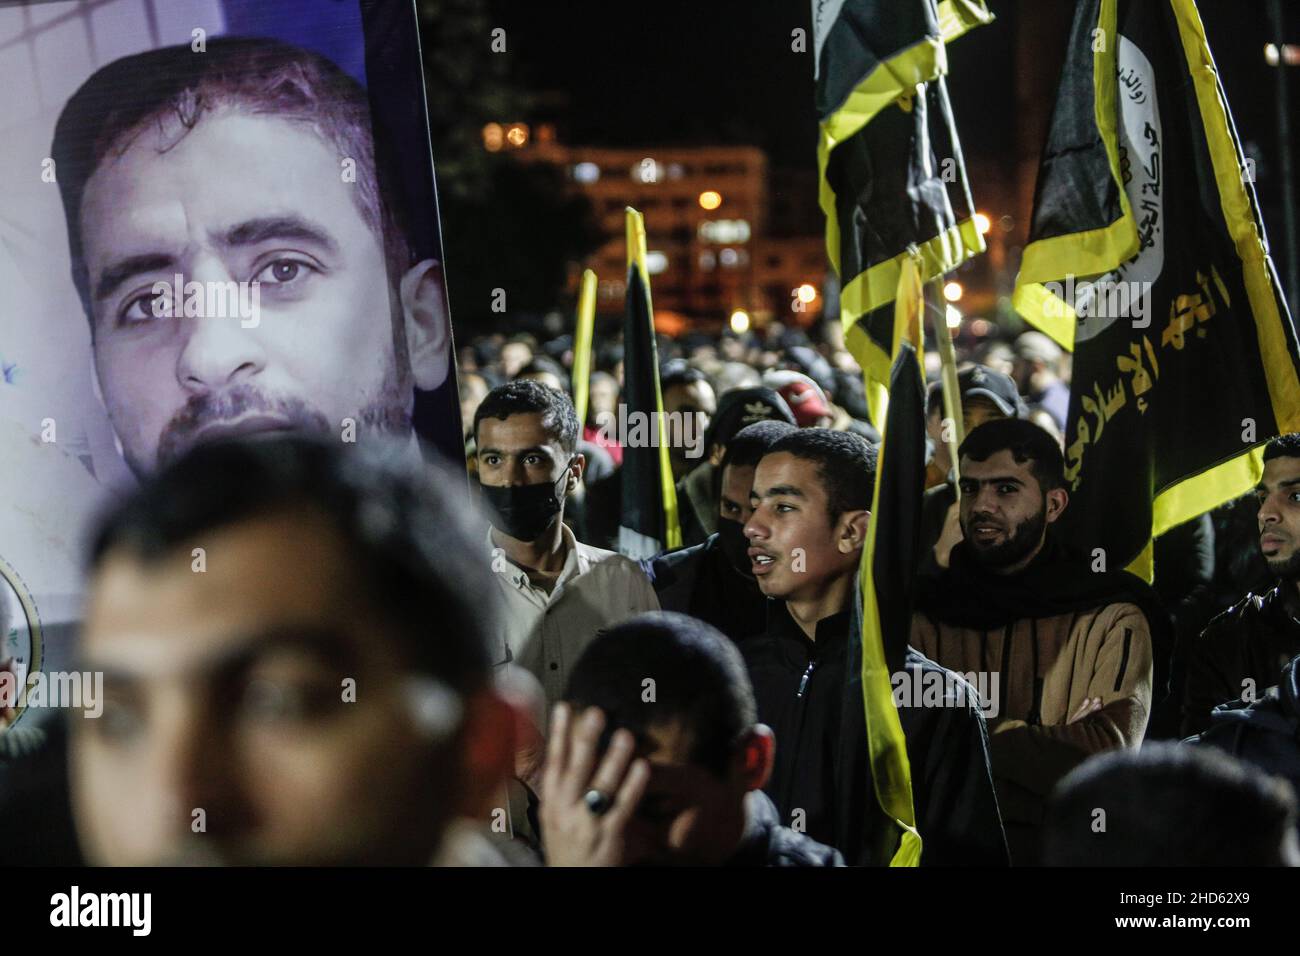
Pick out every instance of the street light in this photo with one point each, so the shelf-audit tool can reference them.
(740, 321)
(982, 223)
(952, 291)
(709, 199)
(806, 293)
(517, 134)
(1289, 54)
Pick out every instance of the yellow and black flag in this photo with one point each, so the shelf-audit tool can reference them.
(1147, 258)
(883, 617)
(892, 173)
(648, 522)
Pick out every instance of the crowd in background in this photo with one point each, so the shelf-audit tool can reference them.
(375, 667)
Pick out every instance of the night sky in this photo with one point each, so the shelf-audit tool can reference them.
(721, 71)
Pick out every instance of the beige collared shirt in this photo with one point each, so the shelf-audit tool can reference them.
(546, 632)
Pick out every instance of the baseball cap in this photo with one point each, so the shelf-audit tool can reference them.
(982, 381)
(804, 396)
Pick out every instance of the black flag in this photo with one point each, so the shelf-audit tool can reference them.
(649, 522)
(892, 173)
(1148, 258)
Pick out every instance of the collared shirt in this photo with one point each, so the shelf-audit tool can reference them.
(547, 632)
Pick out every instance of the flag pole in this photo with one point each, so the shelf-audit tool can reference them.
(948, 365)
(582, 335)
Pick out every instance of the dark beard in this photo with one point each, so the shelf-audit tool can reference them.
(388, 415)
(1022, 541)
(1288, 569)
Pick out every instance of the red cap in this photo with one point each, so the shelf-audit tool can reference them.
(806, 402)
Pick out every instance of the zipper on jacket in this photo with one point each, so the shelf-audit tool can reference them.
(798, 733)
(803, 681)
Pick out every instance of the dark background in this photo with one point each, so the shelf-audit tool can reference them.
(722, 72)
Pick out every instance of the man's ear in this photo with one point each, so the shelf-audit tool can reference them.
(757, 755)
(1057, 499)
(428, 331)
(853, 531)
(576, 469)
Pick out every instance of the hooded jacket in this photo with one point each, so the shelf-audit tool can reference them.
(822, 779)
(1251, 641)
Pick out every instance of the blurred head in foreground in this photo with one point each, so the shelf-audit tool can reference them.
(700, 734)
(1170, 805)
(296, 659)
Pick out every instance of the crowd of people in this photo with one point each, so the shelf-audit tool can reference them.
(375, 666)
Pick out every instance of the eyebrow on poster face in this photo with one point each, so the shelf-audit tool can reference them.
(250, 232)
(118, 273)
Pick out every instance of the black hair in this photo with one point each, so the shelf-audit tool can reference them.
(523, 397)
(544, 364)
(678, 372)
(1283, 446)
(264, 75)
(754, 441)
(403, 527)
(1026, 441)
(699, 680)
(846, 465)
(1168, 805)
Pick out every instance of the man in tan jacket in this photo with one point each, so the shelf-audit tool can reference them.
(1064, 653)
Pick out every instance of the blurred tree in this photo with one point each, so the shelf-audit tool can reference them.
(505, 224)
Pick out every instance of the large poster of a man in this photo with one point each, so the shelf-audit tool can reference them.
(217, 218)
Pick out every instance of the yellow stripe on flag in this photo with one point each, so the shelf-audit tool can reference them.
(582, 335)
(891, 772)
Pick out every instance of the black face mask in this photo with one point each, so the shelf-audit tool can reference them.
(524, 511)
(734, 544)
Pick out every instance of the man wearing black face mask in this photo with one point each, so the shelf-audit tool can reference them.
(557, 591)
(712, 581)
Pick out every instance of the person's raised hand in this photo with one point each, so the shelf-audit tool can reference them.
(584, 813)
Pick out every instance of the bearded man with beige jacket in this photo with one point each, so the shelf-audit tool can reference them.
(1064, 653)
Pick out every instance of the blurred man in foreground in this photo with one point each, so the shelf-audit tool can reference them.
(1170, 805)
(295, 641)
(657, 757)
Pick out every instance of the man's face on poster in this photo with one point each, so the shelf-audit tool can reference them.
(247, 198)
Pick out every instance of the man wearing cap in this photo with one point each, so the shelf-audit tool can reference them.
(985, 395)
(697, 493)
(1038, 374)
(805, 397)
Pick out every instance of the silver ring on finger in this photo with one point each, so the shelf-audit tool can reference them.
(597, 801)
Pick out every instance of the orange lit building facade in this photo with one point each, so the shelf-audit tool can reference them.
(710, 250)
